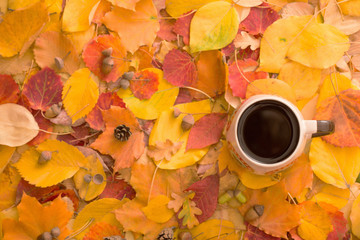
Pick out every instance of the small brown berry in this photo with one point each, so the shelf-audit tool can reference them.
(187, 122)
(98, 179)
(177, 112)
(107, 52)
(44, 157)
(55, 232)
(185, 236)
(128, 75)
(254, 213)
(124, 83)
(59, 63)
(87, 178)
(107, 65)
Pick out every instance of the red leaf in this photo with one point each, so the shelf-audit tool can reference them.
(247, 53)
(179, 68)
(166, 30)
(238, 79)
(253, 233)
(94, 118)
(206, 131)
(343, 110)
(339, 223)
(184, 96)
(144, 84)
(94, 58)
(43, 89)
(228, 50)
(43, 124)
(9, 91)
(182, 26)
(259, 19)
(206, 195)
(117, 188)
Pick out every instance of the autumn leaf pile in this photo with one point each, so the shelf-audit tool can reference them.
(113, 112)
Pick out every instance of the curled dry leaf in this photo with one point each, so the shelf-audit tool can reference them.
(17, 125)
(163, 150)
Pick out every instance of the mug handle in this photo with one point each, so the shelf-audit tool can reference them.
(318, 128)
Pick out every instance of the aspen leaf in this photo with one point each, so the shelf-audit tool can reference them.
(50, 45)
(213, 26)
(94, 58)
(334, 165)
(182, 26)
(34, 219)
(17, 125)
(77, 15)
(101, 210)
(17, 37)
(43, 89)
(134, 28)
(124, 152)
(160, 101)
(214, 228)
(145, 83)
(9, 92)
(355, 217)
(64, 163)
(89, 191)
(79, 100)
(157, 209)
(9, 180)
(163, 150)
(103, 230)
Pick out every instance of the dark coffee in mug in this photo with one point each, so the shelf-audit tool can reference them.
(268, 131)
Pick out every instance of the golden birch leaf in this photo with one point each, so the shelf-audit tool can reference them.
(157, 209)
(318, 46)
(65, 161)
(351, 7)
(355, 217)
(17, 125)
(334, 165)
(9, 180)
(5, 156)
(213, 26)
(277, 39)
(80, 94)
(20, 28)
(92, 189)
(213, 228)
(303, 80)
(77, 15)
(160, 101)
(101, 210)
(134, 28)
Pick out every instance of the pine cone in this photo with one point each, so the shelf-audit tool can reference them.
(122, 133)
(166, 234)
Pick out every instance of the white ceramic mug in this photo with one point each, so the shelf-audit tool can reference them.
(267, 133)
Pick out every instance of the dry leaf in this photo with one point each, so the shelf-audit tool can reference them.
(163, 150)
(244, 40)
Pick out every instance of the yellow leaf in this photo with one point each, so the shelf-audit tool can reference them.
(334, 165)
(276, 41)
(80, 94)
(160, 101)
(213, 26)
(303, 80)
(94, 188)
(318, 46)
(77, 15)
(53, 5)
(97, 211)
(255, 181)
(335, 196)
(64, 163)
(271, 86)
(351, 7)
(5, 156)
(355, 217)
(9, 180)
(169, 127)
(315, 223)
(157, 209)
(178, 7)
(188, 212)
(17, 125)
(20, 28)
(213, 228)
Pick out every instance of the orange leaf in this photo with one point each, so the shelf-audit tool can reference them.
(124, 152)
(101, 230)
(279, 215)
(163, 150)
(9, 91)
(142, 58)
(101, 10)
(343, 110)
(54, 44)
(129, 4)
(134, 28)
(144, 84)
(94, 58)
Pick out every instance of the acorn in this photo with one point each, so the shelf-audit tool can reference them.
(128, 75)
(55, 232)
(185, 236)
(225, 197)
(254, 213)
(124, 83)
(44, 157)
(59, 62)
(98, 179)
(107, 52)
(187, 122)
(107, 65)
(87, 178)
(240, 196)
(45, 236)
(177, 112)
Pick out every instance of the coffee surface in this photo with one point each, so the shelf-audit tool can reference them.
(268, 132)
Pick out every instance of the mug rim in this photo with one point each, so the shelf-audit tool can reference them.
(261, 97)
